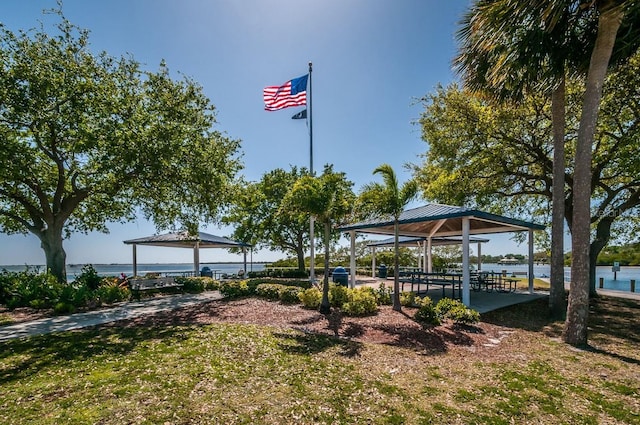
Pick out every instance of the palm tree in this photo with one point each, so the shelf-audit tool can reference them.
(389, 199)
(503, 44)
(610, 17)
(505, 52)
(329, 199)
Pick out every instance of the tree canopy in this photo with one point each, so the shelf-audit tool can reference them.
(88, 139)
(329, 198)
(499, 157)
(259, 219)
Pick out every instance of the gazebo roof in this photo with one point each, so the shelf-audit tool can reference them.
(186, 240)
(442, 220)
(413, 240)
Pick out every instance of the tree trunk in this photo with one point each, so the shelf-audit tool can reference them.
(557, 303)
(51, 243)
(325, 307)
(396, 269)
(575, 329)
(300, 256)
(603, 234)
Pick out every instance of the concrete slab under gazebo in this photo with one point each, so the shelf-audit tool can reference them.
(436, 220)
(186, 240)
(421, 243)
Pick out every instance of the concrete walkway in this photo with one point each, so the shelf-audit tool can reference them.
(126, 310)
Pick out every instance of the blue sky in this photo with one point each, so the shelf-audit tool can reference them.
(371, 60)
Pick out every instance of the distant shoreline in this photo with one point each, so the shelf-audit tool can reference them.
(128, 264)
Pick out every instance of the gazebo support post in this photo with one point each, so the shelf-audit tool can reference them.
(244, 252)
(429, 248)
(479, 256)
(135, 260)
(425, 265)
(373, 262)
(196, 258)
(530, 261)
(466, 295)
(352, 258)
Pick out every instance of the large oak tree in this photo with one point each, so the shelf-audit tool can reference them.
(87, 138)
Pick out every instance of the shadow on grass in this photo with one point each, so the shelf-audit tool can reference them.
(531, 316)
(38, 353)
(311, 343)
(613, 354)
(611, 320)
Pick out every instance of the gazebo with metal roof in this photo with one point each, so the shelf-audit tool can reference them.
(186, 240)
(421, 243)
(436, 220)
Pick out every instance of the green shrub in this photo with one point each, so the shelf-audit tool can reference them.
(8, 282)
(280, 273)
(211, 284)
(236, 288)
(5, 319)
(420, 301)
(445, 305)
(338, 295)
(305, 284)
(193, 285)
(111, 292)
(88, 277)
(383, 294)
(15, 283)
(407, 299)
(311, 298)
(360, 302)
(64, 308)
(464, 315)
(84, 297)
(294, 274)
(39, 304)
(29, 286)
(456, 311)
(270, 291)
(289, 294)
(426, 313)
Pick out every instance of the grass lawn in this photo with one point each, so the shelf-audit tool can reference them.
(242, 373)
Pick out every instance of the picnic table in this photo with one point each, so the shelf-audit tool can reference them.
(443, 280)
(490, 281)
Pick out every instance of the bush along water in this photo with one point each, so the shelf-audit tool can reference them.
(29, 288)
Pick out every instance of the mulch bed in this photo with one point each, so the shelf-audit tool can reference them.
(386, 327)
(25, 314)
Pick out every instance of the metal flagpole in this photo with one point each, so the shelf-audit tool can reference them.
(312, 272)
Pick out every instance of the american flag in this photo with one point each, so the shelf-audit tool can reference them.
(291, 93)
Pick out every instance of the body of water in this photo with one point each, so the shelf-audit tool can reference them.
(74, 270)
(619, 282)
